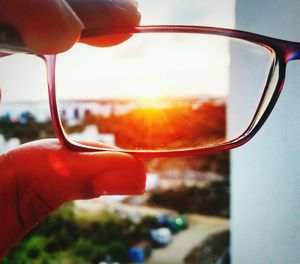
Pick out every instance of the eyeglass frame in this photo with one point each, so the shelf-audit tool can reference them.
(283, 51)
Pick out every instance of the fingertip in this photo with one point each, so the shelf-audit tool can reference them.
(46, 27)
(122, 174)
(106, 15)
(92, 174)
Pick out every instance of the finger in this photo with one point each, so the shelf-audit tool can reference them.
(106, 15)
(40, 176)
(60, 175)
(3, 54)
(48, 26)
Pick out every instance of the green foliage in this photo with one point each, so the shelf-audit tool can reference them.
(118, 251)
(149, 222)
(65, 238)
(27, 131)
(35, 246)
(210, 199)
(83, 248)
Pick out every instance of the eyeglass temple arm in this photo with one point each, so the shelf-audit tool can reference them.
(291, 50)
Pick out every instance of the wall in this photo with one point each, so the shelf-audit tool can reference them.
(266, 171)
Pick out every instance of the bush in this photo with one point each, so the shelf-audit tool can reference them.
(211, 199)
(62, 238)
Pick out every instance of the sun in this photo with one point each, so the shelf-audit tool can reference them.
(151, 96)
(151, 92)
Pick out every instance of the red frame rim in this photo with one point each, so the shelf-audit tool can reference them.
(284, 51)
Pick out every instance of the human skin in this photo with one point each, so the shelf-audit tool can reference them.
(37, 177)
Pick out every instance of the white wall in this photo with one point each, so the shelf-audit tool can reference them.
(266, 171)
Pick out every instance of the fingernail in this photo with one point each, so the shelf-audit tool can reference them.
(118, 182)
(74, 19)
(131, 9)
(127, 3)
(135, 3)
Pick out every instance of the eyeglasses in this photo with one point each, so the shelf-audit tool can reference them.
(167, 90)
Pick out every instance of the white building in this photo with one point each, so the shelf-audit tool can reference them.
(266, 171)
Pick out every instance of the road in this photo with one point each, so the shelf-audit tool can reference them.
(200, 227)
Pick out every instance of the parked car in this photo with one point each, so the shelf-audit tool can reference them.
(161, 236)
(175, 223)
(140, 252)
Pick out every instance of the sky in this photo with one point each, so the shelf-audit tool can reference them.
(23, 77)
(218, 13)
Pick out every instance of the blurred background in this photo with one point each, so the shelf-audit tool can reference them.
(185, 215)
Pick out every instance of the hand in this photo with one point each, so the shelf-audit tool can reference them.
(53, 26)
(38, 177)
